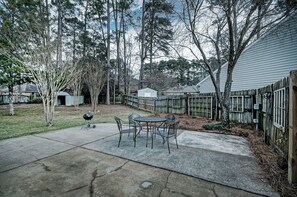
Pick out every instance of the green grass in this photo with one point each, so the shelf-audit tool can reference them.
(29, 118)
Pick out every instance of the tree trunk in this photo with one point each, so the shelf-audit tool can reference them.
(125, 54)
(108, 56)
(151, 39)
(115, 8)
(10, 98)
(85, 29)
(227, 95)
(59, 44)
(259, 21)
(140, 85)
(225, 113)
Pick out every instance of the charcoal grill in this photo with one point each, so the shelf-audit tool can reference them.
(88, 120)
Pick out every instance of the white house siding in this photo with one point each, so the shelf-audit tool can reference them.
(70, 100)
(266, 61)
(147, 92)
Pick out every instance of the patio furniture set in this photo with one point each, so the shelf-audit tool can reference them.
(166, 127)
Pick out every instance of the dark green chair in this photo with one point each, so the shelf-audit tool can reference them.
(123, 131)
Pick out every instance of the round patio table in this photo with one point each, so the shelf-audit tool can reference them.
(147, 120)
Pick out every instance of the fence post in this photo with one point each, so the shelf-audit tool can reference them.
(167, 105)
(292, 161)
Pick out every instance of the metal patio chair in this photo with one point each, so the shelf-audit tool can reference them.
(169, 118)
(167, 131)
(122, 131)
(133, 123)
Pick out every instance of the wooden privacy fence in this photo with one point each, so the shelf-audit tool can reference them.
(267, 107)
(200, 105)
(272, 109)
(192, 105)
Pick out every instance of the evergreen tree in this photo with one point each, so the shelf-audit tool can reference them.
(15, 19)
(158, 28)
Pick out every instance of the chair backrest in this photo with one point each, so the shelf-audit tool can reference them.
(131, 121)
(170, 118)
(172, 127)
(119, 123)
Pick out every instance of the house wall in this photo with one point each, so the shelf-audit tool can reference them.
(4, 99)
(264, 62)
(70, 100)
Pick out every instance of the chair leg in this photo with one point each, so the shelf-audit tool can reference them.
(163, 137)
(146, 137)
(168, 144)
(152, 134)
(134, 136)
(120, 140)
(176, 142)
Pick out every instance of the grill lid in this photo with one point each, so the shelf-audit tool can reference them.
(88, 116)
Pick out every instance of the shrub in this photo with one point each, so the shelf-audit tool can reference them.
(214, 126)
(35, 100)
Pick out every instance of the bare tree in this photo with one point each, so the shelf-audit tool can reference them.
(49, 77)
(76, 82)
(95, 77)
(225, 28)
(158, 83)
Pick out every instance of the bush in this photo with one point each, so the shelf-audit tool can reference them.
(119, 99)
(214, 127)
(35, 100)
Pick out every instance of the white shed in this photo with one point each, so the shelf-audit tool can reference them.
(264, 62)
(147, 92)
(66, 99)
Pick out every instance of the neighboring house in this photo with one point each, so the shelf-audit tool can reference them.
(65, 98)
(21, 93)
(265, 61)
(25, 92)
(181, 90)
(147, 92)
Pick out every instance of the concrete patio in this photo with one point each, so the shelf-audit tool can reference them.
(76, 162)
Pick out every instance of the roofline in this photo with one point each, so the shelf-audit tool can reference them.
(224, 65)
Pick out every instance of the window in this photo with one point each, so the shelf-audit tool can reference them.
(236, 104)
(279, 108)
(176, 102)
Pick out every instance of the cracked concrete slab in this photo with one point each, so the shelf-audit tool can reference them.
(182, 185)
(233, 170)
(82, 172)
(19, 151)
(217, 142)
(78, 136)
(67, 172)
(48, 164)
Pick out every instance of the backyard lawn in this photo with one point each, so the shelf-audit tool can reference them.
(29, 118)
